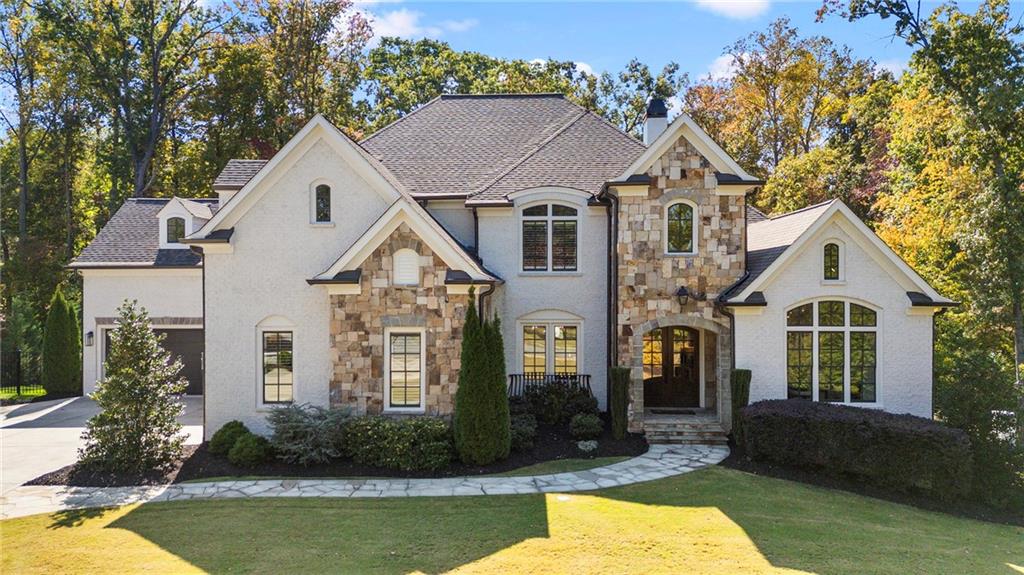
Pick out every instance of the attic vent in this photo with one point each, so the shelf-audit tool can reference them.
(406, 268)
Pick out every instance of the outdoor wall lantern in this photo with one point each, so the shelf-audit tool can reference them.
(88, 339)
(684, 296)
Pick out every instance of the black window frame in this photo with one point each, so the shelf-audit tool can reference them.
(288, 360)
(418, 352)
(831, 262)
(322, 205)
(691, 238)
(550, 238)
(176, 238)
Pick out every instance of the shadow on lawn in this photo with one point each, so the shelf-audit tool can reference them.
(76, 517)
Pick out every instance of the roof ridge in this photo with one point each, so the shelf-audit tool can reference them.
(608, 123)
(797, 211)
(504, 95)
(529, 154)
(385, 128)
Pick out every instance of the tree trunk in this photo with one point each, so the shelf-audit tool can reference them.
(22, 183)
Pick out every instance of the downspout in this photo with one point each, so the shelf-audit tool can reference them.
(935, 365)
(202, 262)
(480, 299)
(612, 289)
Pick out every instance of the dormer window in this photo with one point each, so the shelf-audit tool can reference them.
(322, 204)
(681, 228)
(175, 230)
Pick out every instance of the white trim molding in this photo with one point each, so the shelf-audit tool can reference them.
(550, 319)
(274, 323)
(694, 228)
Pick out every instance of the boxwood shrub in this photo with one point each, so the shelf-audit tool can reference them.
(413, 444)
(225, 437)
(902, 452)
(524, 431)
(250, 450)
(586, 426)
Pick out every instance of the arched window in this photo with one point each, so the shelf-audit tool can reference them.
(680, 228)
(406, 267)
(322, 204)
(832, 352)
(831, 261)
(175, 230)
(550, 238)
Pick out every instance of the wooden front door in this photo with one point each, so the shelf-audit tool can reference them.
(672, 368)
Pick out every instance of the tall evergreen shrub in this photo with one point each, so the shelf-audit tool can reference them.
(140, 398)
(740, 396)
(482, 432)
(62, 352)
(619, 401)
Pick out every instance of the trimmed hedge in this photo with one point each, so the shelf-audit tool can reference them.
(902, 452)
(619, 401)
(555, 404)
(417, 443)
(740, 382)
(225, 437)
(249, 450)
(586, 426)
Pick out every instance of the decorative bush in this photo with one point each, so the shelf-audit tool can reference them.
(579, 401)
(307, 434)
(62, 351)
(518, 406)
(481, 402)
(740, 382)
(419, 443)
(524, 431)
(619, 401)
(249, 450)
(140, 399)
(586, 426)
(903, 452)
(224, 439)
(547, 402)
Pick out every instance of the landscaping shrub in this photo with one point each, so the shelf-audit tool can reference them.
(547, 402)
(224, 439)
(740, 396)
(62, 350)
(250, 450)
(524, 431)
(481, 403)
(902, 452)
(586, 426)
(418, 443)
(140, 400)
(306, 434)
(518, 406)
(579, 401)
(619, 401)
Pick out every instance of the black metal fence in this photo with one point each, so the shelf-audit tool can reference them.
(518, 383)
(13, 377)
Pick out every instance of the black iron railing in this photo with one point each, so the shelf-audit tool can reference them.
(518, 383)
(14, 379)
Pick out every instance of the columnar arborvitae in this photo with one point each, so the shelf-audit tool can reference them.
(482, 433)
(62, 353)
(140, 398)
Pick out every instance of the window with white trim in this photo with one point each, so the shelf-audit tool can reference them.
(175, 230)
(278, 364)
(832, 352)
(681, 228)
(406, 263)
(404, 360)
(551, 348)
(322, 204)
(550, 238)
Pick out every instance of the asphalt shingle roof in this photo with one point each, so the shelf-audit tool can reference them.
(132, 237)
(768, 238)
(237, 173)
(465, 144)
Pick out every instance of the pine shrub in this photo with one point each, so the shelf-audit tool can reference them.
(740, 383)
(62, 352)
(307, 434)
(225, 437)
(619, 401)
(140, 400)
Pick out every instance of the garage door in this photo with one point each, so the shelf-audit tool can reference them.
(187, 345)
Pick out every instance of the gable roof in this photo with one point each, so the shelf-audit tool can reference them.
(132, 238)
(199, 210)
(489, 144)
(771, 243)
(237, 173)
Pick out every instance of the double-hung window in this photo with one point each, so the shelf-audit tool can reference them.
(277, 367)
(550, 238)
(550, 348)
(405, 374)
(832, 352)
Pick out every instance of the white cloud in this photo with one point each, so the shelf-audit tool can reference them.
(897, 67)
(722, 68)
(459, 25)
(735, 9)
(584, 67)
(406, 23)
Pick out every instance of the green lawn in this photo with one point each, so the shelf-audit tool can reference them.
(8, 395)
(711, 521)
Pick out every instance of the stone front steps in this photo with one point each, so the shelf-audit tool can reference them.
(682, 432)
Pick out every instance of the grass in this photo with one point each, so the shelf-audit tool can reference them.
(9, 395)
(543, 468)
(713, 521)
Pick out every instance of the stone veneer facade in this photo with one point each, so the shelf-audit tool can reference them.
(358, 322)
(648, 278)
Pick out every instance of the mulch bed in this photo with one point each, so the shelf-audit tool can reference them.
(552, 443)
(738, 460)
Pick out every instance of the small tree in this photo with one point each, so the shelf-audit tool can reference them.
(619, 404)
(140, 397)
(62, 354)
(482, 433)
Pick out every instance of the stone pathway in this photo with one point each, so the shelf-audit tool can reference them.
(659, 462)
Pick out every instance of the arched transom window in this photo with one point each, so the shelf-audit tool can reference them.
(175, 230)
(550, 238)
(680, 228)
(832, 352)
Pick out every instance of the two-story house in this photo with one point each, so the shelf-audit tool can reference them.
(338, 272)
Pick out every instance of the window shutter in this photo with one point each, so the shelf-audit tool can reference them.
(406, 268)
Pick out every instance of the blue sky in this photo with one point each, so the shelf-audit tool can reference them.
(606, 35)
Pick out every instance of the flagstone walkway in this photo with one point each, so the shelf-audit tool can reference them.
(659, 462)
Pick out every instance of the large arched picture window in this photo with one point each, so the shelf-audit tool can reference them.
(175, 230)
(680, 228)
(832, 352)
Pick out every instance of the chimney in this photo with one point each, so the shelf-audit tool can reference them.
(656, 120)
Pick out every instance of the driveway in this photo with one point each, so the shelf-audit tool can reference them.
(36, 438)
